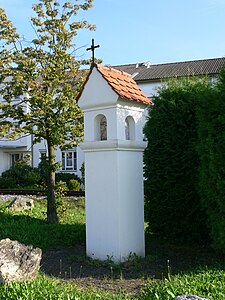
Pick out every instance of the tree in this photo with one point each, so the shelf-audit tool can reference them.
(8, 37)
(40, 81)
(173, 206)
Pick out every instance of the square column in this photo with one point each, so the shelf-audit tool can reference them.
(114, 199)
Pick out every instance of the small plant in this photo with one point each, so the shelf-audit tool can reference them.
(61, 187)
(66, 177)
(168, 269)
(74, 185)
(132, 256)
(82, 170)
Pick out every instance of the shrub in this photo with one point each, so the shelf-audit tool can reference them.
(22, 175)
(7, 183)
(32, 176)
(66, 177)
(173, 207)
(43, 170)
(61, 187)
(211, 149)
(74, 185)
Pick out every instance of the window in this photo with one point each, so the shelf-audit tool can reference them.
(15, 157)
(43, 154)
(69, 160)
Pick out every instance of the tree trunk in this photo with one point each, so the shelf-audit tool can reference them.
(52, 217)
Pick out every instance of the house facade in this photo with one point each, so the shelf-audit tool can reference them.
(12, 150)
(148, 77)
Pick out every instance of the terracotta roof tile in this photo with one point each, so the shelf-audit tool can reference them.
(123, 84)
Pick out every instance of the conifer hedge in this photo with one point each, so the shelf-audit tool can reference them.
(211, 150)
(185, 161)
(173, 207)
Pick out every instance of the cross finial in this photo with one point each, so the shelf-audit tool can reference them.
(92, 48)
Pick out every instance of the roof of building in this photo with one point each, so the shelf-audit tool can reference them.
(147, 71)
(121, 83)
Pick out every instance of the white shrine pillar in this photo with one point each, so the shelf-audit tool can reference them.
(113, 146)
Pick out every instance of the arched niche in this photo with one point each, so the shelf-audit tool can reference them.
(129, 128)
(100, 128)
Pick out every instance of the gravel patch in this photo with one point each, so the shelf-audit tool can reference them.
(7, 197)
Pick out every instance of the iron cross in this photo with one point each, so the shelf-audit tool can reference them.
(92, 48)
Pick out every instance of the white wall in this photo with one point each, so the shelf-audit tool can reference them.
(4, 161)
(150, 88)
(24, 141)
(114, 200)
(97, 93)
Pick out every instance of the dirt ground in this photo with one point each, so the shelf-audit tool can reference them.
(129, 277)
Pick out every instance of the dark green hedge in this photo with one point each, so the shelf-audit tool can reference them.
(211, 149)
(173, 208)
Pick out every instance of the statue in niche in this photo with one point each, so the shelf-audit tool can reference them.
(103, 129)
(127, 130)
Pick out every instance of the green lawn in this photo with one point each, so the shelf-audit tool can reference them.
(30, 228)
(208, 283)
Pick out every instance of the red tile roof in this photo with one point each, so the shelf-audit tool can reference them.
(123, 84)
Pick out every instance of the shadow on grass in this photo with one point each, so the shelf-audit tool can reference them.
(29, 230)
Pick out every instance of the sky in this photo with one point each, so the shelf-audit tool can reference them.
(132, 31)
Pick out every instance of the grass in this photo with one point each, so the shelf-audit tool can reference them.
(207, 283)
(30, 228)
(44, 288)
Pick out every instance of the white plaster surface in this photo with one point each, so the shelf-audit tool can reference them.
(5, 161)
(150, 88)
(114, 201)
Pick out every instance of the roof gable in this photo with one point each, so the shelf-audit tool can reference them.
(121, 83)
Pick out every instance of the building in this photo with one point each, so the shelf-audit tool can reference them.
(148, 76)
(12, 150)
